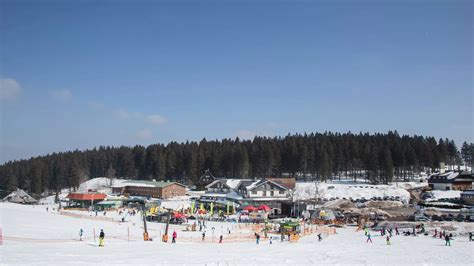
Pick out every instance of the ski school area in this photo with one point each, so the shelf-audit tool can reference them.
(32, 235)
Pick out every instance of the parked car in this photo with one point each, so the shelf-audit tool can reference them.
(418, 218)
(470, 218)
(450, 217)
(460, 218)
(436, 218)
(444, 217)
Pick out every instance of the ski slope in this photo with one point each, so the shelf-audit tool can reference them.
(36, 237)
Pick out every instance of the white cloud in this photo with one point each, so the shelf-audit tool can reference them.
(156, 119)
(61, 95)
(145, 134)
(122, 114)
(245, 134)
(9, 89)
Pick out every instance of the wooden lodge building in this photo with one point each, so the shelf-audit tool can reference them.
(150, 189)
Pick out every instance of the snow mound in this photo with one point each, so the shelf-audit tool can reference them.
(99, 183)
(449, 194)
(305, 191)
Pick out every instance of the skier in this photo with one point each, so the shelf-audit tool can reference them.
(47, 210)
(390, 232)
(81, 232)
(436, 232)
(203, 235)
(257, 236)
(220, 239)
(228, 231)
(101, 238)
(388, 240)
(369, 238)
(320, 237)
(271, 240)
(448, 240)
(470, 236)
(396, 231)
(175, 235)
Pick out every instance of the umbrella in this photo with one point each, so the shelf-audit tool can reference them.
(250, 208)
(264, 207)
(179, 215)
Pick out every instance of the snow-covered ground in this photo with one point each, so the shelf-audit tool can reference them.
(304, 191)
(36, 237)
(449, 194)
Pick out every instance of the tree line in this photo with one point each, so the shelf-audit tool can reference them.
(317, 156)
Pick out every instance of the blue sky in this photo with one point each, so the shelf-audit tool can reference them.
(78, 74)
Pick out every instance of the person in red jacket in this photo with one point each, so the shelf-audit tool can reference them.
(175, 235)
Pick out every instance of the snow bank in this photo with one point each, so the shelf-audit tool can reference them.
(99, 183)
(305, 191)
(448, 194)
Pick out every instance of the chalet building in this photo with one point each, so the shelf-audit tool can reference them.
(206, 179)
(453, 180)
(270, 193)
(250, 192)
(85, 200)
(150, 189)
(223, 192)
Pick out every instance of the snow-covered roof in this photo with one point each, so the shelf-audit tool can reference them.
(233, 183)
(450, 175)
(19, 196)
(144, 183)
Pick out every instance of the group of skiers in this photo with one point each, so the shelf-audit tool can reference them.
(389, 233)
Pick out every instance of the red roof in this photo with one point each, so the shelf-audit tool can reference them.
(264, 208)
(86, 196)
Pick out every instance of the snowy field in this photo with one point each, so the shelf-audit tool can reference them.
(36, 237)
(305, 191)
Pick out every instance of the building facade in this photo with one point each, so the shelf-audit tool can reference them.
(150, 189)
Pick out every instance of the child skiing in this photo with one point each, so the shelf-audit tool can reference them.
(369, 238)
(257, 236)
(101, 238)
(470, 236)
(220, 239)
(271, 240)
(435, 233)
(81, 233)
(175, 235)
(388, 240)
(396, 231)
(320, 237)
(203, 235)
(448, 240)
